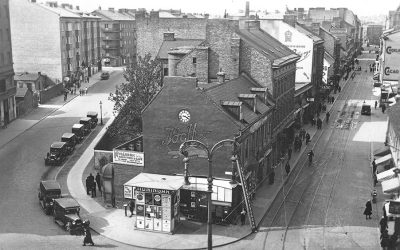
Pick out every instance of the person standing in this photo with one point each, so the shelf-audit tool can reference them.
(383, 224)
(287, 168)
(307, 138)
(86, 89)
(327, 116)
(65, 95)
(368, 210)
(88, 187)
(131, 206)
(376, 104)
(383, 108)
(88, 237)
(319, 123)
(374, 167)
(93, 189)
(98, 181)
(243, 216)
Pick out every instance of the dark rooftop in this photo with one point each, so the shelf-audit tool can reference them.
(168, 45)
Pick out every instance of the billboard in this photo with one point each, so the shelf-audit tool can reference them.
(128, 157)
(391, 66)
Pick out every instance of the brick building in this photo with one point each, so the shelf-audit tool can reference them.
(118, 36)
(63, 29)
(7, 86)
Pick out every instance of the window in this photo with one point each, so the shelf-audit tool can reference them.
(165, 71)
(106, 25)
(194, 59)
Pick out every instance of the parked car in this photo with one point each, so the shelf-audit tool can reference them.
(105, 76)
(78, 130)
(48, 191)
(366, 109)
(93, 117)
(58, 153)
(71, 140)
(66, 214)
(87, 123)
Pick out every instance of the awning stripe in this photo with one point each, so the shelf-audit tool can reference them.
(383, 159)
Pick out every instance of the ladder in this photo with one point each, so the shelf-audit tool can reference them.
(247, 198)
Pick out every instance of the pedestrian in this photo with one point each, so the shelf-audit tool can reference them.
(383, 224)
(87, 79)
(86, 89)
(368, 210)
(375, 180)
(80, 92)
(131, 206)
(319, 123)
(383, 108)
(374, 166)
(327, 116)
(289, 152)
(307, 138)
(287, 168)
(98, 181)
(333, 99)
(93, 189)
(384, 240)
(243, 216)
(340, 88)
(272, 176)
(88, 237)
(376, 104)
(65, 95)
(88, 187)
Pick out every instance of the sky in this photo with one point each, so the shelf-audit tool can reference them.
(217, 7)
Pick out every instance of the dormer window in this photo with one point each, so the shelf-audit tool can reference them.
(234, 108)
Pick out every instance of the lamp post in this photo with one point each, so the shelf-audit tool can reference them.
(202, 146)
(101, 113)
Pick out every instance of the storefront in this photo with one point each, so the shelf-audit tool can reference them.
(156, 201)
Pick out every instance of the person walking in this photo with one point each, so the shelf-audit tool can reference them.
(307, 138)
(374, 167)
(383, 224)
(243, 216)
(98, 179)
(65, 95)
(287, 168)
(368, 210)
(376, 104)
(93, 189)
(319, 123)
(131, 206)
(88, 237)
(88, 187)
(86, 90)
(327, 116)
(383, 108)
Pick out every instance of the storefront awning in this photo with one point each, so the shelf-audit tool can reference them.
(382, 151)
(383, 159)
(391, 185)
(386, 175)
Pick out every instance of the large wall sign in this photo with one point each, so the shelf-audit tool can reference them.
(128, 157)
(391, 67)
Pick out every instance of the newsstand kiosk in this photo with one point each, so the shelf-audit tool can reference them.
(156, 201)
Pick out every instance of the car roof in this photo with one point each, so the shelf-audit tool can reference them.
(77, 125)
(67, 202)
(93, 113)
(85, 119)
(68, 135)
(50, 184)
(57, 144)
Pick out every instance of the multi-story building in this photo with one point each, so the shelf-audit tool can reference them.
(389, 58)
(374, 31)
(7, 86)
(65, 59)
(118, 36)
(394, 18)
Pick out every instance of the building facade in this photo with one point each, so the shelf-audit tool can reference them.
(63, 26)
(389, 57)
(394, 18)
(118, 37)
(7, 86)
(373, 34)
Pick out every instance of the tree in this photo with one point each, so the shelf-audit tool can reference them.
(144, 79)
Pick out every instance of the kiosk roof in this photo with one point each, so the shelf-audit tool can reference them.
(156, 181)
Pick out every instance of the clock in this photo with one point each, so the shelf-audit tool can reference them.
(184, 116)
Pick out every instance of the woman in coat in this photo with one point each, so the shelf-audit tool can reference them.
(368, 210)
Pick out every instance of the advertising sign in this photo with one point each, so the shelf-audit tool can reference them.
(391, 67)
(128, 157)
(327, 65)
(128, 192)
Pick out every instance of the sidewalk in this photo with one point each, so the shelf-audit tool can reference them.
(112, 222)
(21, 124)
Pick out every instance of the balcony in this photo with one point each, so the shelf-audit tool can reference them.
(110, 30)
(111, 38)
(110, 47)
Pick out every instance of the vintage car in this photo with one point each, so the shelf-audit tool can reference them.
(58, 153)
(86, 121)
(366, 109)
(66, 214)
(48, 191)
(71, 140)
(78, 130)
(105, 75)
(93, 117)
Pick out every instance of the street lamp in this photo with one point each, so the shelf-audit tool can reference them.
(197, 144)
(101, 113)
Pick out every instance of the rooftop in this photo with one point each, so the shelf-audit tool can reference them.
(26, 76)
(113, 15)
(168, 45)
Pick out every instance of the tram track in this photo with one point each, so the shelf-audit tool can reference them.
(299, 178)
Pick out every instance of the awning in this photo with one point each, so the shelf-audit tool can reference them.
(382, 151)
(391, 185)
(383, 159)
(386, 175)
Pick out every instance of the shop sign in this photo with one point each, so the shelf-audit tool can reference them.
(128, 192)
(128, 157)
(391, 50)
(389, 71)
(153, 190)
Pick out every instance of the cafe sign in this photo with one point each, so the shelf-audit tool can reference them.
(128, 157)
(153, 190)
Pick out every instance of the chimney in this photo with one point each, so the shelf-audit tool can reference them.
(247, 10)
(169, 36)
(111, 9)
(99, 7)
(252, 24)
(290, 19)
(221, 76)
